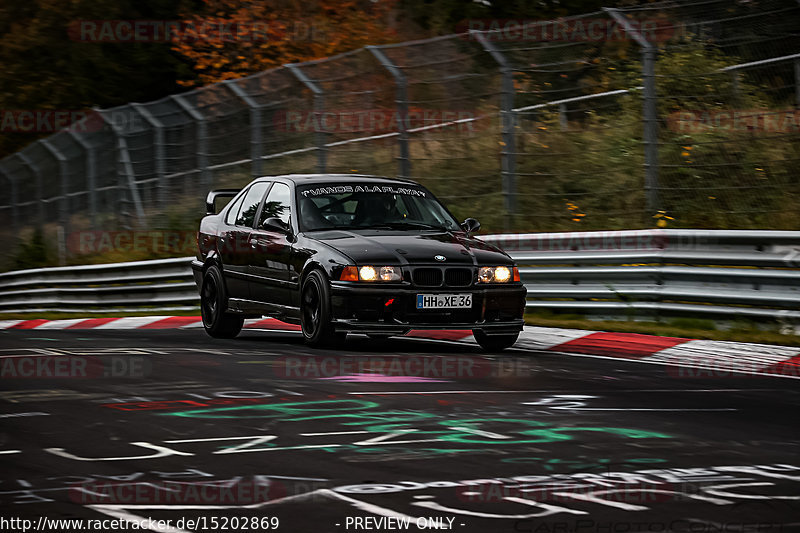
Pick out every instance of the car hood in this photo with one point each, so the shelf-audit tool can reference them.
(398, 247)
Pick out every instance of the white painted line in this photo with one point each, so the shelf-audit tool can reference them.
(9, 452)
(648, 360)
(131, 322)
(368, 507)
(194, 325)
(728, 356)
(538, 338)
(333, 433)
(59, 324)
(451, 392)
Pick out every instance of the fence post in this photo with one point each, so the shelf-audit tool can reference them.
(402, 107)
(255, 125)
(797, 83)
(319, 109)
(125, 167)
(63, 211)
(650, 110)
(15, 223)
(158, 145)
(509, 152)
(202, 136)
(39, 187)
(91, 173)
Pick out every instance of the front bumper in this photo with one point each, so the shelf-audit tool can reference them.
(392, 309)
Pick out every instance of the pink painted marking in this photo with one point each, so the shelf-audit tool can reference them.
(381, 378)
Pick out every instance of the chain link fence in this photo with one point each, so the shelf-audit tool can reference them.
(677, 114)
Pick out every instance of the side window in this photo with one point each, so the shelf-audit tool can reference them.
(278, 204)
(247, 213)
(230, 218)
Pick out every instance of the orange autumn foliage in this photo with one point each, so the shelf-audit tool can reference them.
(234, 38)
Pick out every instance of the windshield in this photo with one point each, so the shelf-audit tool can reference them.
(364, 205)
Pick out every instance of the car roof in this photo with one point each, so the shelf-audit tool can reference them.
(308, 179)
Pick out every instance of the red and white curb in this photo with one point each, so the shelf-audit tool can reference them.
(685, 357)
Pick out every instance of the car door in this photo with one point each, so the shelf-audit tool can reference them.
(235, 249)
(273, 279)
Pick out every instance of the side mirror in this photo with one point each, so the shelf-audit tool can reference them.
(276, 224)
(470, 225)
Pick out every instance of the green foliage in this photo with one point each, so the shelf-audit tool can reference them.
(47, 67)
(33, 253)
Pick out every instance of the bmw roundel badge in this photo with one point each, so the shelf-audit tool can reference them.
(440, 258)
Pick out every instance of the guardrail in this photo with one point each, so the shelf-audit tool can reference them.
(655, 273)
(159, 285)
(635, 273)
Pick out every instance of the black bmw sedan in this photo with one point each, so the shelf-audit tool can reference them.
(345, 254)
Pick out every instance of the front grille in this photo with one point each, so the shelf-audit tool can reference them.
(428, 277)
(458, 277)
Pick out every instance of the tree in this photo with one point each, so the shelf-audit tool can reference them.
(229, 39)
(48, 67)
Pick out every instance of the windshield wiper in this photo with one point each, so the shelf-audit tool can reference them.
(404, 225)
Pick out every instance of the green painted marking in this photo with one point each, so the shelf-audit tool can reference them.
(270, 410)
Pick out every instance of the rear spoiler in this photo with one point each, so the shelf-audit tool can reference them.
(219, 193)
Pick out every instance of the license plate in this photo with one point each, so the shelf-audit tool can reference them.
(444, 301)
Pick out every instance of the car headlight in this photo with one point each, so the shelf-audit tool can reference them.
(498, 274)
(371, 273)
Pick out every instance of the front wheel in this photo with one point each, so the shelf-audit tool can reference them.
(315, 312)
(495, 343)
(213, 300)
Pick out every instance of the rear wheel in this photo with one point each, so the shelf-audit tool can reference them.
(213, 303)
(315, 312)
(495, 343)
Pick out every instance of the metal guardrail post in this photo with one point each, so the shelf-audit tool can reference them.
(402, 107)
(63, 211)
(202, 136)
(14, 198)
(125, 167)
(797, 83)
(319, 110)
(650, 110)
(509, 161)
(255, 125)
(158, 145)
(91, 173)
(39, 186)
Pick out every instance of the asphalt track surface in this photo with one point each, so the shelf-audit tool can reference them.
(263, 433)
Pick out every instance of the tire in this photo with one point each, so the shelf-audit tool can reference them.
(495, 343)
(315, 312)
(213, 302)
